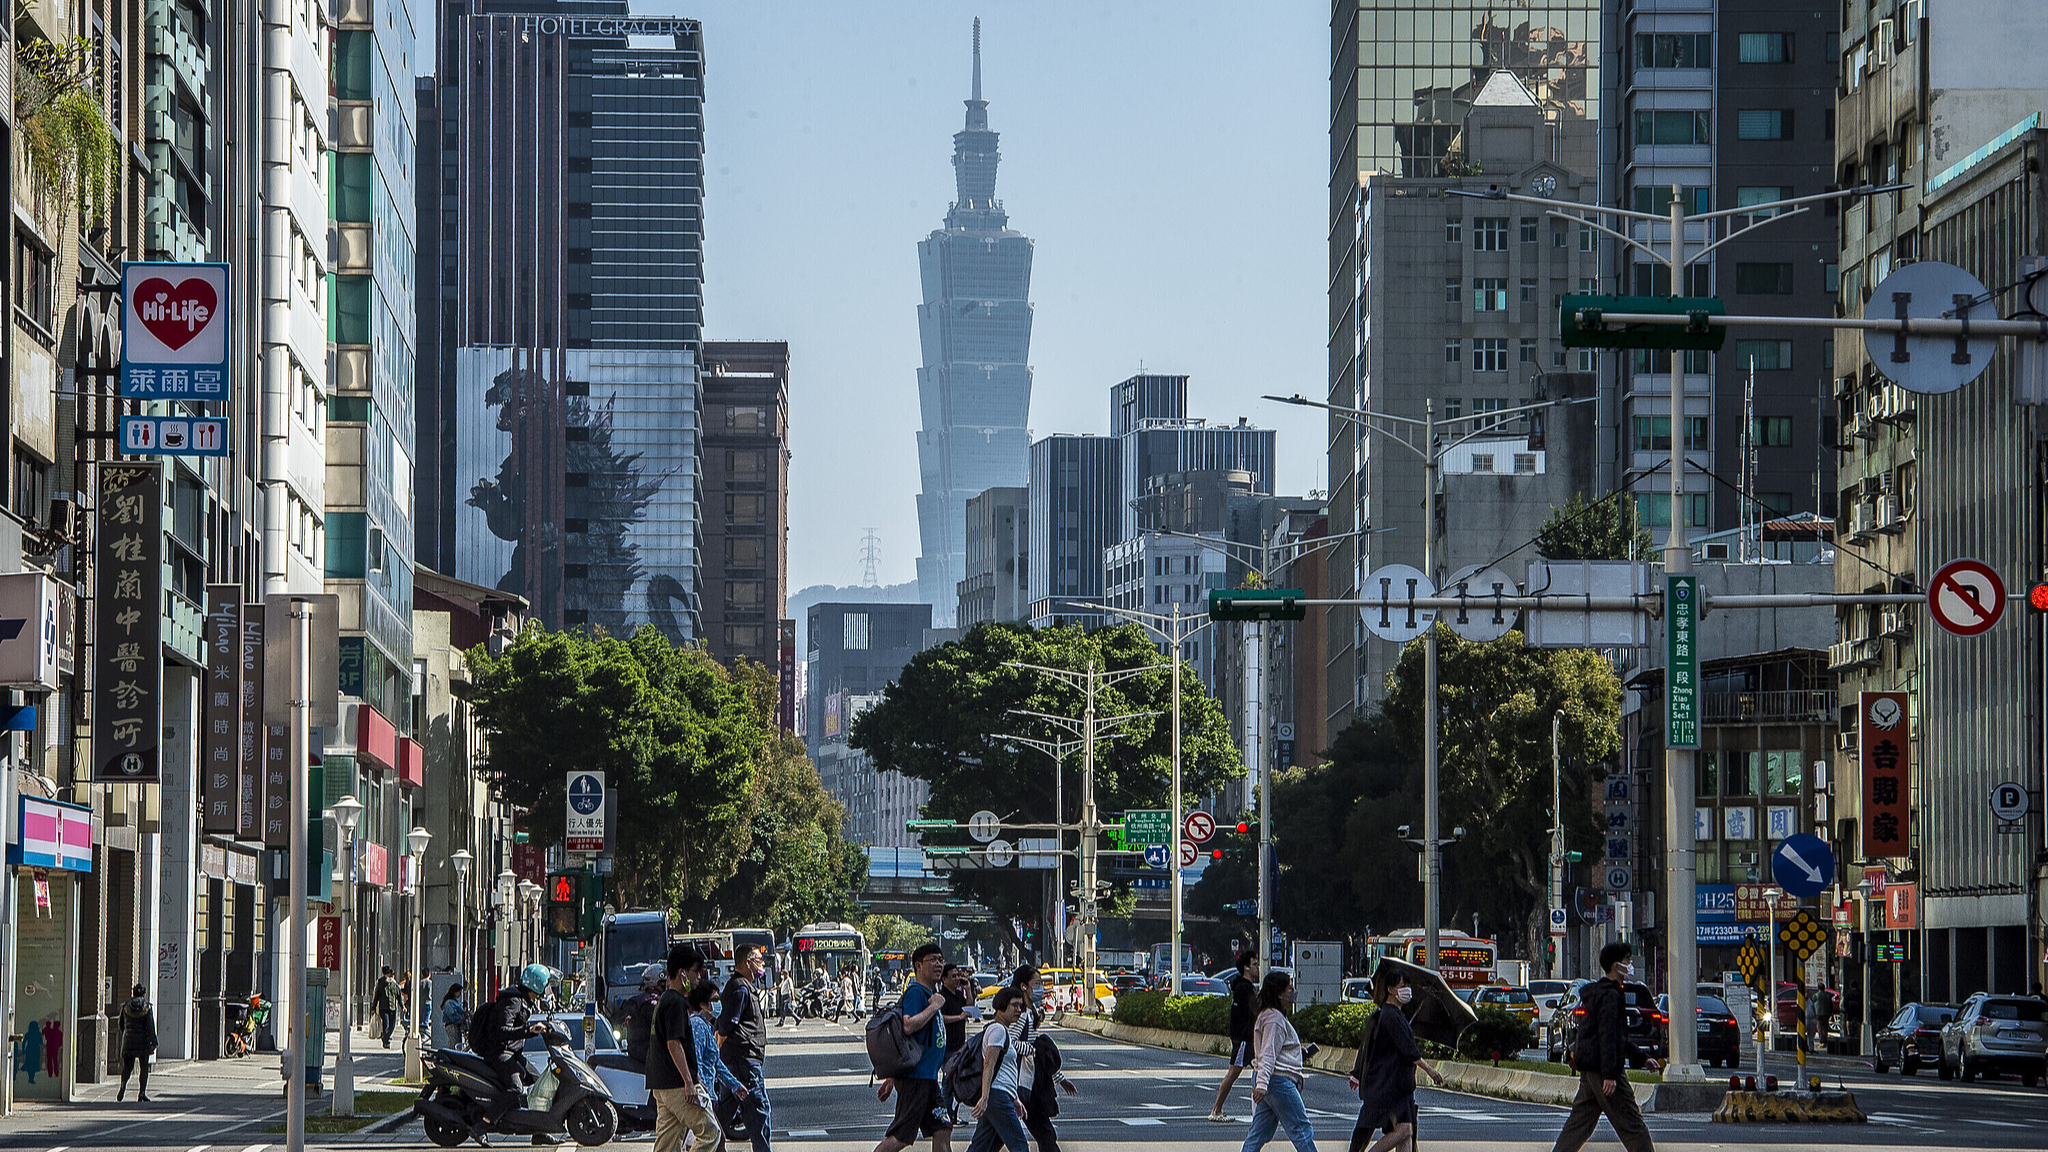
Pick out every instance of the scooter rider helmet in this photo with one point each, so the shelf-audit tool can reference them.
(534, 978)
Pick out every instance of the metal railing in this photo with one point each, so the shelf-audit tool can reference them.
(1772, 707)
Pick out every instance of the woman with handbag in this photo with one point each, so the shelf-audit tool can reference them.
(1384, 1075)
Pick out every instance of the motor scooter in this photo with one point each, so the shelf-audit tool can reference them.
(569, 1098)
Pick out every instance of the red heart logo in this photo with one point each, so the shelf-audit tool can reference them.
(175, 315)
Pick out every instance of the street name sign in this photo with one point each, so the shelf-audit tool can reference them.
(1681, 631)
(1148, 826)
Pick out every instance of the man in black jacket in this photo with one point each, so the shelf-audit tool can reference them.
(1244, 1009)
(743, 1041)
(1602, 1057)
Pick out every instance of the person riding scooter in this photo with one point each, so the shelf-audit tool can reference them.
(499, 1032)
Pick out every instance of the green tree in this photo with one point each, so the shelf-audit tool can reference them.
(1495, 702)
(889, 933)
(1605, 529)
(797, 867)
(943, 721)
(678, 737)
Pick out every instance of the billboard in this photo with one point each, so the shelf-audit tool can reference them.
(1882, 749)
(128, 615)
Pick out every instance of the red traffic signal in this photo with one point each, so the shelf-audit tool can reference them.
(562, 890)
(2037, 598)
(1244, 826)
(1215, 853)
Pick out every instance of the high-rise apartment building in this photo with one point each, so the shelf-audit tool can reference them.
(1073, 516)
(974, 390)
(1404, 77)
(746, 498)
(996, 588)
(855, 652)
(562, 300)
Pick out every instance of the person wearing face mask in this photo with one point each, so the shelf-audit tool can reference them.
(1384, 1075)
(1038, 1067)
(1276, 1070)
(1602, 1058)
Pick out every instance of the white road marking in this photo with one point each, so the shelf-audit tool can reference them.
(199, 1148)
(1163, 1107)
(1140, 1121)
(808, 1132)
(255, 1148)
(1994, 1123)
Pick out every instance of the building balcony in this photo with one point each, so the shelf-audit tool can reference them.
(1773, 707)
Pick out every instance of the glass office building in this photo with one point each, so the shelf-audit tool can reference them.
(975, 387)
(1413, 68)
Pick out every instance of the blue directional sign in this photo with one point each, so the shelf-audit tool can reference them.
(1155, 855)
(1803, 864)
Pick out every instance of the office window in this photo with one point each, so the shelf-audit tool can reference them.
(1655, 280)
(1526, 353)
(1657, 198)
(1528, 229)
(1589, 239)
(34, 284)
(1772, 431)
(1451, 290)
(1675, 50)
(1489, 356)
(1763, 124)
(1653, 510)
(1763, 48)
(1762, 194)
(1642, 360)
(1586, 362)
(1766, 355)
(1653, 433)
(1528, 289)
(1454, 351)
(1490, 294)
(1454, 231)
(1482, 461)
(1489, 234)
(1672, 127)
(1763, 279)
(1480, 409)
(1525, 463)
(1453, 408)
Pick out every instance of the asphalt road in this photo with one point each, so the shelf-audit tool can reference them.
(1130, 1097)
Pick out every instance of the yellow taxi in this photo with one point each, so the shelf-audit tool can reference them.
(1515, 1000)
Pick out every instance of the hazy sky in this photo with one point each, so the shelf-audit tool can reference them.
(1168, 159)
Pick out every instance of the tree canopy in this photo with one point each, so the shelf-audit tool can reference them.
(1605, 529)
(1496, 702)
(714, 808)
(945, 718)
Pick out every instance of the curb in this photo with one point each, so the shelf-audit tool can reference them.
(1474, 1079)
(1794, 1107)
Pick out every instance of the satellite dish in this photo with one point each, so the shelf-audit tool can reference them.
(1929, 365)
(1484, 619)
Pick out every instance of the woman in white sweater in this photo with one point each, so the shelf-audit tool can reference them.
(1276, 1065)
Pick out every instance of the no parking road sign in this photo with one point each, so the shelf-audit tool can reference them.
(1966, 597)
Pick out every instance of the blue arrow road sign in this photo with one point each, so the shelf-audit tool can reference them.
(1803, 864)
(1155, 855)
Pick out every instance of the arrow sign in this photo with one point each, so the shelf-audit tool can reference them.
(1966, 597)
(1155, 855)
(1803, 864)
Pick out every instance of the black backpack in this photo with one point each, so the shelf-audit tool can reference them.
(891, 1050)
(963, 1069)
(484, 1028)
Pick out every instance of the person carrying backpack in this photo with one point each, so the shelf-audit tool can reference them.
(1039, 1063)
(917, 1091)
(996, 1106)
(385, 1001)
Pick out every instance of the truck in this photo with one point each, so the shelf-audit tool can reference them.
(1513, 972)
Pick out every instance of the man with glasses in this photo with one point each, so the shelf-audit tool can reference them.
(918, 1107)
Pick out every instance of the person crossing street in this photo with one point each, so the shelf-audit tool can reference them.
(1276, 1076)
(385, 1002)
(1602, 1058)
(1244, 1008)
(918, 1109)
(743, 1041)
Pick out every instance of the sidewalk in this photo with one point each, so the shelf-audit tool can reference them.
(235, 1089)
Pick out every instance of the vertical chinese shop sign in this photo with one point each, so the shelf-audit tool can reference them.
(128, 662)
(220, 744)
(1887, 796)
(250, 816)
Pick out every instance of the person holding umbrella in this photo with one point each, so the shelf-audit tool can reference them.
(1384, 1075)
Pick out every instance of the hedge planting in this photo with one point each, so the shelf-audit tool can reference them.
(1334, 1025)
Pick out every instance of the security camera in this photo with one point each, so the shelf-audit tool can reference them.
(1402, 831)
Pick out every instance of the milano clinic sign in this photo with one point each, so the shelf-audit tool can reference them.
(174, 331)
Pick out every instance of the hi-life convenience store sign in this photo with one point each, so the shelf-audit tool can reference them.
(1682, 657)
(174, 331)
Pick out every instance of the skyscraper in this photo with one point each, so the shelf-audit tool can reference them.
(975, 387)
(561, 295)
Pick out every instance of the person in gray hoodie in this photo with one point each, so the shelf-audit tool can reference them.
(138, 1041)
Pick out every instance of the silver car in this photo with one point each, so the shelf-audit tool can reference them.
(1995, 1034)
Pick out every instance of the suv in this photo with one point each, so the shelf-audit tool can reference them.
(1643, 1024)
(1993, 1034)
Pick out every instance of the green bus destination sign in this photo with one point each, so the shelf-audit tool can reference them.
(1681, 631)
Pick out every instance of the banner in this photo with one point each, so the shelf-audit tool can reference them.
(220, 717)
(1887, 782)
(249, 820)
(128, 661)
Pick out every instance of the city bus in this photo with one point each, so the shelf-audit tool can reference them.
(632, 940)
(1463, 961)
(836, 948)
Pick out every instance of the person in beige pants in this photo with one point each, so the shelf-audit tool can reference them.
(681, 1102)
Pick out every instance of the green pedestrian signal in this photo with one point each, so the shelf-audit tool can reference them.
(1256, 604)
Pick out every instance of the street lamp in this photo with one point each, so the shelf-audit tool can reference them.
(416, 842)
(1863, 890)
(1057, 749)
(508, 913)
(529, 894)
(348, 811)
(458, 914)
(1398, 429)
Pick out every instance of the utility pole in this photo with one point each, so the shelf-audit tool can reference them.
(1057, 749)
(1174, 629)
(1556, 843)
(292, 1005)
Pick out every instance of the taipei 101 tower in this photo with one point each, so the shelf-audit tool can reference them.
(975, 387)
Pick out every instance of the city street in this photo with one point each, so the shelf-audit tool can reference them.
(1130, 1097)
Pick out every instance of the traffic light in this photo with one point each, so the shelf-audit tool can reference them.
(1256, 604)
(2037, 597)
(1243, 826)
(565, 906)
(1215, 853)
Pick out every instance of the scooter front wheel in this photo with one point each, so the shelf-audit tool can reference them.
(592, 1122)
